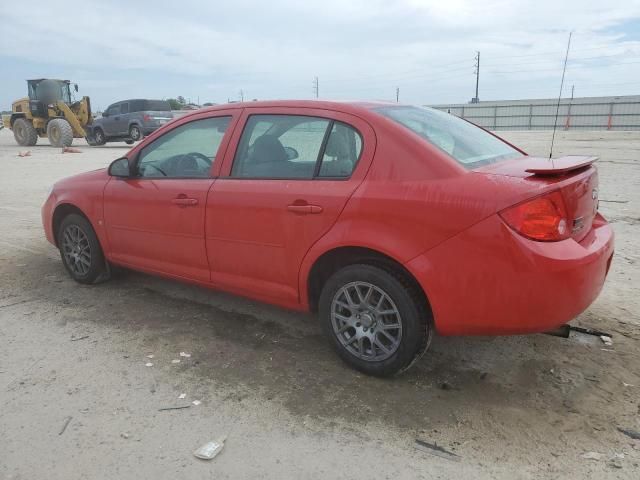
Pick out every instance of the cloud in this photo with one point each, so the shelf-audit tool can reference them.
(359, 49)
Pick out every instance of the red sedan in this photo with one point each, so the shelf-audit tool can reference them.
(393, 222)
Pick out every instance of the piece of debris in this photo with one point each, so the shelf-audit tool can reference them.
(613, 201)
(178, 407)
(186, 355)
(196, 402)
(150, 356)
(209, 450)
(71, 150)
(66, 423)
(630, 433)
(175, 360)
(606, 340)
(591, 456)
(124, 435)
(148, 364)
(435, 449)
(25, 154)
(182, 395)
(79, 338)
(627, 384)
(444, 385)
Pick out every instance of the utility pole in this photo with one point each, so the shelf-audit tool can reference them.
(397, 94)
(241, 95)
(316, 87)
(476, 99)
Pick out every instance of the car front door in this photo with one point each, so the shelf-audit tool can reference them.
(110, 120)
(155, 220)
(280, 190)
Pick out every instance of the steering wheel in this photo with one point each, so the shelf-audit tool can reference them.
(157, 168)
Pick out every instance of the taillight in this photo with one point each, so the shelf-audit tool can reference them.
(544, 218)
(147, 117)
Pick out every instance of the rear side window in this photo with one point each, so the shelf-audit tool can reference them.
(296, 147)
(124, 108)
(280, 146)
(469, 145)
(341, 152)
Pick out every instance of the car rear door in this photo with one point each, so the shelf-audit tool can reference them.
(155, 220)
(122, 120)
(110, 122)
(263, 213)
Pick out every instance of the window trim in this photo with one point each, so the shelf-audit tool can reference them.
(135, 162)
(321, 152)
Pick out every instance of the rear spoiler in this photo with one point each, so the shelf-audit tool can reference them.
(558, 166)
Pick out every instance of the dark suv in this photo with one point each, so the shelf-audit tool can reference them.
(130, 120)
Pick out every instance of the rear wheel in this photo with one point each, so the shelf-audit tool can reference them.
(59, 132)
(375, 319)
(135, 133)
(24, 132)
(80, 250)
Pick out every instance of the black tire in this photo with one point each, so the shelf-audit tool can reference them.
(97, 268)
(413, 314)
(99, 136)
(24, 132)
(60, 133)
(135, 133)
(129, 142)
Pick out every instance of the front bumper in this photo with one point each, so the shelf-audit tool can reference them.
(47, 218)
(489, 280)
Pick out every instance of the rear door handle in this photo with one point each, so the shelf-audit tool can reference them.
(184, 201)
(304, 209)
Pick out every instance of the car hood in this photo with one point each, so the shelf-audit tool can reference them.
(85, 178)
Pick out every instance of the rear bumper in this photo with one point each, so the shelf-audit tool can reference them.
(489, 280)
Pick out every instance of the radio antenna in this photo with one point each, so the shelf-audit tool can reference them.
(555, 122)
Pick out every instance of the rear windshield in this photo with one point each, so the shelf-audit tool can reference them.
(150, 106)
(469, 145)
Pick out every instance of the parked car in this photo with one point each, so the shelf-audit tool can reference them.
(130, 121)
(392, 222)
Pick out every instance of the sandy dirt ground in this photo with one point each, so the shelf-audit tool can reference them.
(527, 407)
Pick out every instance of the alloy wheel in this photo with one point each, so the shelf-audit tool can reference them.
(76, 250)
(366, 321)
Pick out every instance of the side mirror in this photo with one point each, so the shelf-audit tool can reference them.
(120, 168)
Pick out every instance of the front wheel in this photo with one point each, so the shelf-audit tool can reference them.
(59, 132)
(80, 250)
(376, 320)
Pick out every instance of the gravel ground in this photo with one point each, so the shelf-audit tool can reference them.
(515, 407)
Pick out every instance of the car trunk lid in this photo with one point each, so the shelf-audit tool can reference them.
(574, 176)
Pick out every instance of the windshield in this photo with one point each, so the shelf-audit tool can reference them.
(467, 144)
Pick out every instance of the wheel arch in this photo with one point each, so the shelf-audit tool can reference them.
(339, 257)
(15, 116)
(60, 212)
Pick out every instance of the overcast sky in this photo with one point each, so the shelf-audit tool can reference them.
(359, 49)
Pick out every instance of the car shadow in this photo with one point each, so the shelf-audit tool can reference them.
(257, 350)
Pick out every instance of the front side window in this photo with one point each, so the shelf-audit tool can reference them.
(113, 110)
(280, 146)
(469, 145)
(187, 151)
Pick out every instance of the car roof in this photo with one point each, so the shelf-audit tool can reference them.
(354, 107)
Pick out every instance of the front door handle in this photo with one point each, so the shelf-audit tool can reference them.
(185, 201)
(304, 209)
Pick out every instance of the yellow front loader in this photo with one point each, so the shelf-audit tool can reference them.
(50, 112)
